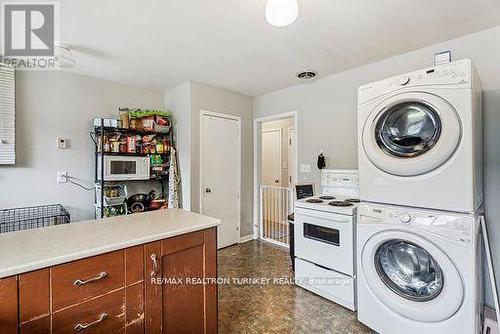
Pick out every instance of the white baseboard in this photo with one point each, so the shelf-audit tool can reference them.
(246, 238)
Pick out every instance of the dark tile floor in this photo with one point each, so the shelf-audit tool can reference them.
(273, 308)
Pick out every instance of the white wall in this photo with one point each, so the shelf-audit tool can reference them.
(178, 100)
(327, 111)
(51, 104)
(204, 97)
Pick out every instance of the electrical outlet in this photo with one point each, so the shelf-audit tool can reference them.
(62, 143)
(62, 177)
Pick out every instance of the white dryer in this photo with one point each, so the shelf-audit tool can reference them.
(419, 271)
(420, 139)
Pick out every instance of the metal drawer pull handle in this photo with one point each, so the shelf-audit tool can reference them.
(156, 268)
(101, 276)
(81, 327)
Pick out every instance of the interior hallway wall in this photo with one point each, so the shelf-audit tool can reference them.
(178, 101)
(186, 108)
(327, 112)
(52, 104)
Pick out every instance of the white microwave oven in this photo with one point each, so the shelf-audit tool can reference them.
(123, 168)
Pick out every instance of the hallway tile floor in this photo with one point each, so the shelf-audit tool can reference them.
(273, 308)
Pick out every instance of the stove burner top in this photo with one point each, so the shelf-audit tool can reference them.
(353, 200)
(328, 198)
(340, 203)
(314, 200)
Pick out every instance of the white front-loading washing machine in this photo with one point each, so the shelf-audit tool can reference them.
(419, 271)
(420, 139)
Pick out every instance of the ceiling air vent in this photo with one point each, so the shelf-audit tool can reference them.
(306, 75)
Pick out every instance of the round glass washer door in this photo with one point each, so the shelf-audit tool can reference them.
(411, 276)
(411, 133)
(409, 270)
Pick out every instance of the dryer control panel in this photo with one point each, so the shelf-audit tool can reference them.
(456, 227)
(458, 73)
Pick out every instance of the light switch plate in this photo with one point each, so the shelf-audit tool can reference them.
(304, 168)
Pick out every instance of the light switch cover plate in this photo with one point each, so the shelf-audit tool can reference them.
(305, 168)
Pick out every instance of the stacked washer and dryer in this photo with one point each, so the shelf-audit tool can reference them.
(420, 177)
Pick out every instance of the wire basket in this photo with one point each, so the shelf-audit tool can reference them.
(32, 217)
(119, 196)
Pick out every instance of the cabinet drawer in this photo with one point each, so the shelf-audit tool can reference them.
(38, 326)
(101, 315)
(78, 281)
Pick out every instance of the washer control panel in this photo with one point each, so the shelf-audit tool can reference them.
(452, 226)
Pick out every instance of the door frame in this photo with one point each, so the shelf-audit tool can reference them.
(257, 129)
(238, 164)
(280, 131)
(289, 137)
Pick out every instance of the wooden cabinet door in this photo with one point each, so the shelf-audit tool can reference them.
(8, 305)
(185, 301)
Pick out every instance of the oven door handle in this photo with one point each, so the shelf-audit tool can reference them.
(343, 221)
(340, 221)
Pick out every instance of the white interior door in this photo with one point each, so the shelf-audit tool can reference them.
(271, 157)
(292, 149)
(220, 175)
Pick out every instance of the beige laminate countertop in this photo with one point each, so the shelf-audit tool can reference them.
(30, 250)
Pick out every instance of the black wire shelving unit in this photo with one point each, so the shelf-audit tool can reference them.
(98, 135)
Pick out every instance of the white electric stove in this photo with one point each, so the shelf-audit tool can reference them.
(325, 228)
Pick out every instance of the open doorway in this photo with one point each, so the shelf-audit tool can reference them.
(275, 175)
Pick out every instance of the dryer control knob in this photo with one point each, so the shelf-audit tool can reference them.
(404, 80)
(405, 218)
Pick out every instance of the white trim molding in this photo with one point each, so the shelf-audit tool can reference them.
(246, 238)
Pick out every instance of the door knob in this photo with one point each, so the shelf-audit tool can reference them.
(208, 190)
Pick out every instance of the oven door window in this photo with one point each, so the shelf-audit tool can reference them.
(123, 167)
(323, 234)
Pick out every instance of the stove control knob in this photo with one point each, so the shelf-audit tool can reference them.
(404, 80)
(405, 218)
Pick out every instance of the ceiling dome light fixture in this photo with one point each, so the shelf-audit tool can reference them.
(281, 13)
